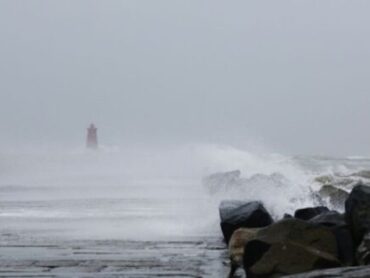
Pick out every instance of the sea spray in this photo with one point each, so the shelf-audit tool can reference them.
(144, 193)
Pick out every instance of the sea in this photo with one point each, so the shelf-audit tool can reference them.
(142, 211)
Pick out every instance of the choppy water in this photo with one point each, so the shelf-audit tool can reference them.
(138, 213)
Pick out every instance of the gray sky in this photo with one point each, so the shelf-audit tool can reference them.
(293, 74)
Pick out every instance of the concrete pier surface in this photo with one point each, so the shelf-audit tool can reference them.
(113, 258)
(69, 232)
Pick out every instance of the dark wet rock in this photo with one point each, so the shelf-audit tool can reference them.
(308, 213)
(338, 181)
(336, 222)
(346, 247)
(224, 180)
(287, 216)
(330, 219)
(227, 207)
(336, 196)
(341, 272)
(236, 246)
(253, 252)
(290, 246)
(362, 174)
(358, 211)
(363, 251)
(237, 214)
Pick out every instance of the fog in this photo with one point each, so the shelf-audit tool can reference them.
(287, 75)
(196, 102)
(146, 194)
(178, 90)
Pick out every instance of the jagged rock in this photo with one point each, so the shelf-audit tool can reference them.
(290, 246)
(345, 182)
(236, 247)
(324, 179)
(358, 211)
(338, 181)
(336, 222)
(224, 180)
(336, 196)
(308, 213)
(362, 174)
(227, 207)
(287, 216)
(330, 219)
(363, 251)
(238, 214)
(341, 272)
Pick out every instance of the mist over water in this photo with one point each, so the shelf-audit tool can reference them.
(189, 103)
(144, 193)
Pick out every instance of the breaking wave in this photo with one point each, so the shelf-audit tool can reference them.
(147, 193)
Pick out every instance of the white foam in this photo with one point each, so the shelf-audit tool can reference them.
(118, 192)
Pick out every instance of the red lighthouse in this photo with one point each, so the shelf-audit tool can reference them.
(92, 137)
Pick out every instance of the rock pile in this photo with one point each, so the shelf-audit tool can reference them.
(314, 239)
(236, 214)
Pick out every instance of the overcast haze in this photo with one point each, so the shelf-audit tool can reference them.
(293, 74)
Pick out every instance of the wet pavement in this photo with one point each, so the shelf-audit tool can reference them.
(114, 258)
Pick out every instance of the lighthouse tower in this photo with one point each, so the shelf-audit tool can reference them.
(92, 137)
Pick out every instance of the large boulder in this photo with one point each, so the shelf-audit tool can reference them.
(362, 174)
(308, 213)
(330, 218)
(358, 211)
(363, 251)
(336, 222)
(287, 216)
(290, 246)
(236, 246)
(337, 180)
(340, 272)
(239, 214)
(334, 195)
